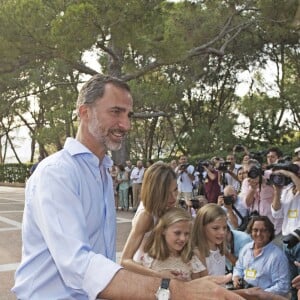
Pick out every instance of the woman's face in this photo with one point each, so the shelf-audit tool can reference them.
(245, 159)
(260, 234)
(173, 191)
(177, 235)
(242, 174)
(215, 232)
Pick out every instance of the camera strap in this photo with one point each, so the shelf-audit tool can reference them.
(237, 212)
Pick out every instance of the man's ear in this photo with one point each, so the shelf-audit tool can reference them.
(83, 111)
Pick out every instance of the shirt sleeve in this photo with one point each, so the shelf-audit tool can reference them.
(238, 269)
(280, 275)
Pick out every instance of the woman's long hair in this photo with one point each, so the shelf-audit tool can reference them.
(156, 188)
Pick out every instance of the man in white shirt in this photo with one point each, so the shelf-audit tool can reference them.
(231, 174)
(136, 177)
(185, 178)
(286, 205)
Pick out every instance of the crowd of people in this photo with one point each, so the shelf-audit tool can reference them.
(237, 228)
(177, 248)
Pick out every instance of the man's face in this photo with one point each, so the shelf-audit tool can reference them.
(272, 158)
(139, 164)
(231, 159)
(183, 160)
(109, 117)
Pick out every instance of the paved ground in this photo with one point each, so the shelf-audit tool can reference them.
(11, 211)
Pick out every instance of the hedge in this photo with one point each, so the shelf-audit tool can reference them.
(14, 173)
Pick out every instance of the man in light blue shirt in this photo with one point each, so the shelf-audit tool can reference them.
(69, 222)
(261, 263)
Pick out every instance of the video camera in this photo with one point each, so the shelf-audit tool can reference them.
(292, 239)
(279, 179)
(223, 166)
(201, 165)
(258, 155)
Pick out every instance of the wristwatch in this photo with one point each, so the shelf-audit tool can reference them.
(163, 292)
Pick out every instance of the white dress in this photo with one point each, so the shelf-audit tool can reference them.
(215, 263)
(174, 263)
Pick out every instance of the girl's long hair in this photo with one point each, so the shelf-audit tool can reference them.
(206, 214)
(156, 245)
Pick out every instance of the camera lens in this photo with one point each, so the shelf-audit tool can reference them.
(278, 180)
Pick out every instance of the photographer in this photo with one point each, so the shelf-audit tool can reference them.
(211, 184)
(234, 207)
(231, 172)
(185, 177)
(286, 205)
(257, 195)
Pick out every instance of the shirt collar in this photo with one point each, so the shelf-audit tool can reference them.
(74, 147)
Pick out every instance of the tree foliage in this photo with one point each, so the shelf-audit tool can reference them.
(182, 60)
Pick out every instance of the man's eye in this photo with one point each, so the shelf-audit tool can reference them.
(130, 115)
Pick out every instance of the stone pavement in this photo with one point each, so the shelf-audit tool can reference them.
(11, 211)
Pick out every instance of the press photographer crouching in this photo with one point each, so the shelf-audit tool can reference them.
(234, 207)
(286, 205)
(257, 195)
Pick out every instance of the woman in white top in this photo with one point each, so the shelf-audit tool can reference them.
(159, 192)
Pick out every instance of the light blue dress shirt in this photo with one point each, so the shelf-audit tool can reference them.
(240, 239)
(271, 267)
(69, 227)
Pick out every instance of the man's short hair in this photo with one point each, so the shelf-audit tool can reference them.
(276, 150)
(94, 88)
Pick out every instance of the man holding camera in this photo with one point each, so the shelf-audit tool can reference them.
(234, 206)
(185, 178)
(231, 172)
(257, 196)
(286, 205)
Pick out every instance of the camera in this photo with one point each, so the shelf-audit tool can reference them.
(239, 148)
(223, 166)
(292, 239)
(195, 204)
(201, 165)
(183, 167)
(258, 155)
(228, 200)
(279, 179)
(243, 284)
(255, 171)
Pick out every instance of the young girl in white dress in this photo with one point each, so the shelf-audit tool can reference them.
(209, 238)
(169, 246)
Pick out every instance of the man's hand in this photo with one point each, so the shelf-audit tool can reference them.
(201, 289)
(256, 293)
